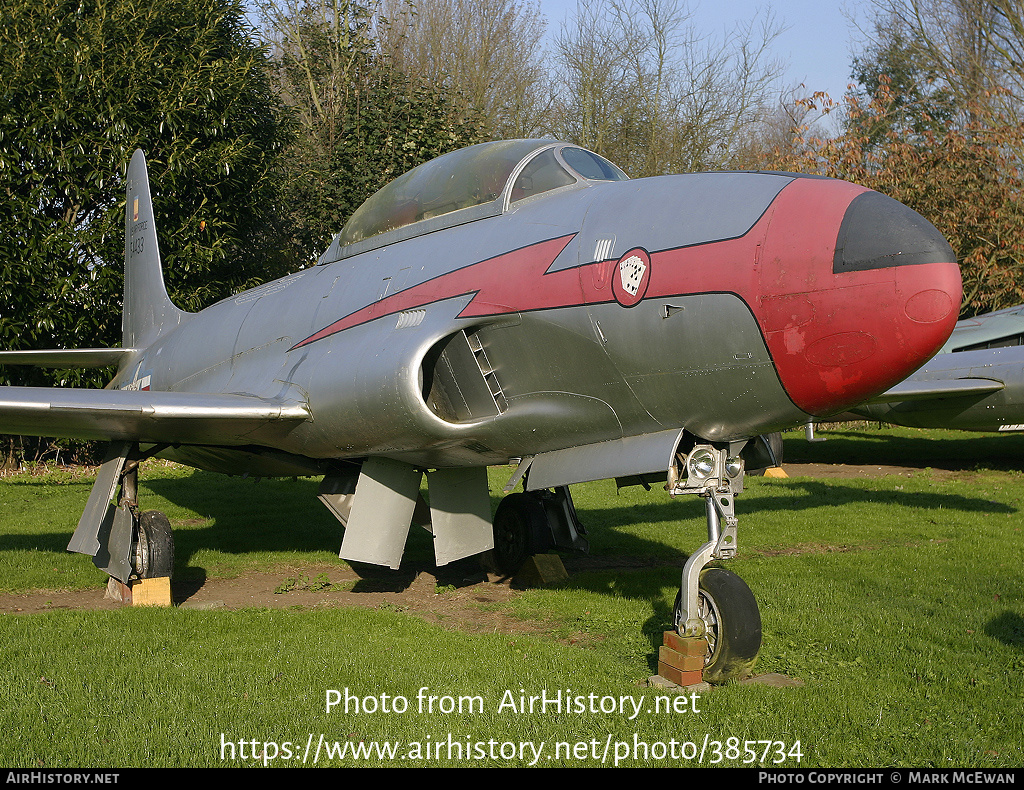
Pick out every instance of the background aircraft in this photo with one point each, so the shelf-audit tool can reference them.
(517, 300)
(975, 382)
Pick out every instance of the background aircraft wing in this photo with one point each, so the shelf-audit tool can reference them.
(931, 389)
(145, 416)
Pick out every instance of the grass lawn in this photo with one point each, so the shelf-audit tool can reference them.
(897, 601)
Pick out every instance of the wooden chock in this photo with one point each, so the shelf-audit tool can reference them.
(540, 570)
(151, 592)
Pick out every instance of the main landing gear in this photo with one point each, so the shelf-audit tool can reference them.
(534, 522)
(151, 554)
(154, 546)
(714, 603)
(125, 542)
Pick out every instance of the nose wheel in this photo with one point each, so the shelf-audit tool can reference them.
(732, 624)
(715, 604)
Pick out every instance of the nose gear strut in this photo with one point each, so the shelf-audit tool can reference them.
(714, 603)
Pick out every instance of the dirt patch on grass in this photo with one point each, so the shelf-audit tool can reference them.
(469, 601)
(850, 471)
(461, 596)
(807, 548)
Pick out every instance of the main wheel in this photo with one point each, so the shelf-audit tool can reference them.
(772, 449)
(732, 624)
(520, 526)
(154, 551)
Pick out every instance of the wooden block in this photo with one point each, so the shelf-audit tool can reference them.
(541, 569)
(151, 592)
(775, 471)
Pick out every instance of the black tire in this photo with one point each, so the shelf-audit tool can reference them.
(154, 551)
(729, 610)
(520, 526)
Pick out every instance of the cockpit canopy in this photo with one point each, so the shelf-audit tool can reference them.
(480, 181)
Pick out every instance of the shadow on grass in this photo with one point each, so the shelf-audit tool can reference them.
(284, 516)
(1008, 628)
(802, 495)
(647, 585)
(953, 450)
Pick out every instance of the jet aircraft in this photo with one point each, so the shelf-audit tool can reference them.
(974, 383)
(517, 301)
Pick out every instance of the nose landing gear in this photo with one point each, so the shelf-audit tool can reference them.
(715, 604)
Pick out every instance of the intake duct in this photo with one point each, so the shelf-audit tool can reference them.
(459, 383)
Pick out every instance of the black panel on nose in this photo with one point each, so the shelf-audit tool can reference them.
(878, 232)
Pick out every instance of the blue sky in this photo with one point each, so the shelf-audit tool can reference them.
(816, 47)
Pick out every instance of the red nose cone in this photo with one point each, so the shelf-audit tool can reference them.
(857, 292)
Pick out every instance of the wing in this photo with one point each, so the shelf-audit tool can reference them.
(145, 416)
(66, 358)
(933, 389)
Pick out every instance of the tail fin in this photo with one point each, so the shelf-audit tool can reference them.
(148, 310)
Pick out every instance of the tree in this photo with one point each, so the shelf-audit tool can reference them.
(638, 84)
(975, 46)
(361, 121)
(917, 97)
(486, 52)
(963, 176)
(933, 124)
(85, 82)
(783, 130)
(82, 84)
(952, 35)
(595, 104)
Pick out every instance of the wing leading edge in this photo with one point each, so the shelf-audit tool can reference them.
(143, 416)
(67, 358)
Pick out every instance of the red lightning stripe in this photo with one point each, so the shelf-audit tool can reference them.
(507, 283)
(835, 338)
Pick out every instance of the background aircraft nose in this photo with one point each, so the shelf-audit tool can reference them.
(858, 291)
